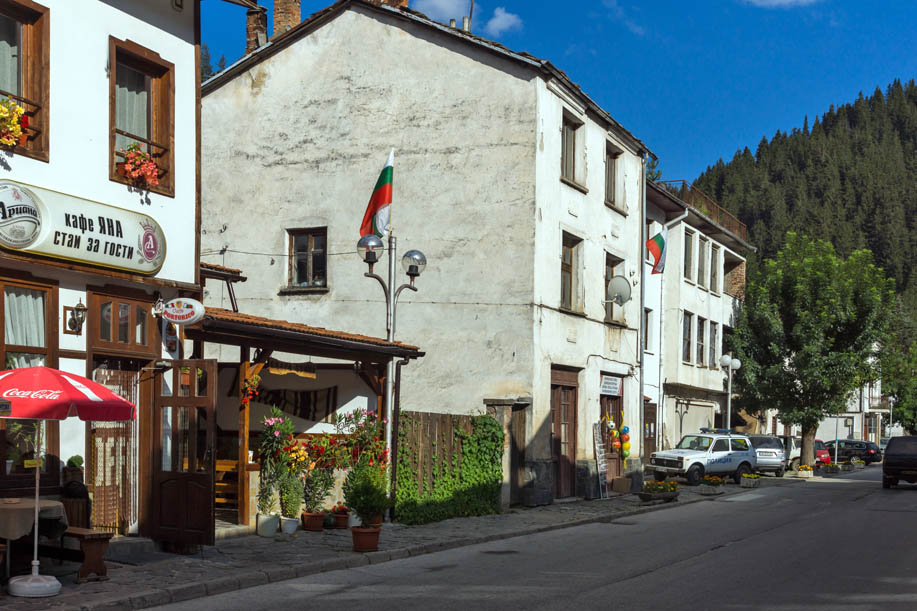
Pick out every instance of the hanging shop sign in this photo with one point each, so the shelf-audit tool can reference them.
(53, 224)
(611, 385)
(183, 311)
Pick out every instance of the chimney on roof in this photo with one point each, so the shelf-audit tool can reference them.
(255, 29)
(395, 3)
(466, 24)
(287, 15)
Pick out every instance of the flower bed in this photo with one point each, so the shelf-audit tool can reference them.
(750, 480)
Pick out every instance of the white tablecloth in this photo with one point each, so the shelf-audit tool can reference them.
(16, 519)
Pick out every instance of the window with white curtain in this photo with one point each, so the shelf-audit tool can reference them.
(24, 327)
(132, 106)
(10, 48)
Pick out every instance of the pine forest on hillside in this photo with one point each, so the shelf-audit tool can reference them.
(850, 178)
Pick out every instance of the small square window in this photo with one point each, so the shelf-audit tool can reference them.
(308, 258)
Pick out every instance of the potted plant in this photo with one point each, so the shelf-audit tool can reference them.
(859, 464)
(290, 502)
(711, 485)
(804, 471)
(750, 480)
(275, 437)
(832, 468)
(659, 491)
(847, 466)
(341, 515)
(12, 121)
(138, 166)
(74, 469)
(364, 493)
(319, 482)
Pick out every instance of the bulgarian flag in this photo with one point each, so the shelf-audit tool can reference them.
(376, 219)
(657, 246)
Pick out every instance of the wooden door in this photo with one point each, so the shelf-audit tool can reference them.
(563, 439)
(184, 410)
(517, 454)
(649, 431)
(612, 411)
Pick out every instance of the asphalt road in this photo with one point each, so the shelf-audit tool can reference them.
(843, 543)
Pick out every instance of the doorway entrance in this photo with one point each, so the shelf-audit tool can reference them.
(612, 411)
(183, 419)
(563, 432)
(649, 430)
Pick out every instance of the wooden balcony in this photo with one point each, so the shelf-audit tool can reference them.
(706, 205)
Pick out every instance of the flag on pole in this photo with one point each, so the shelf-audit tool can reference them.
(376, 220)
(657, 246)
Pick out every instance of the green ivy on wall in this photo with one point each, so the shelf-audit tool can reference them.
(457, 472)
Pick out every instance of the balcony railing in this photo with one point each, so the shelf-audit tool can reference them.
(699, 200)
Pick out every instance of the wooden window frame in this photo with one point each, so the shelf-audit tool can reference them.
(613, 312)
(570, 271)
(611, 176)
(34, 74)
(688, 271)
(714, 331)
(571, 150)
(162, 111)
(24, 484)
(703, 244)
(701, 342)
(113, 347)
(714, 269)
(687, 327)
(291, 287)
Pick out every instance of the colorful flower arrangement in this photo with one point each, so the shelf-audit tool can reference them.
(365, 433)
(858, 461)
(804, 468)
(714, 480)
(750, 476)
(340, 509)
(666, 486)
(12, 121)
(139, 166)
(250, 389)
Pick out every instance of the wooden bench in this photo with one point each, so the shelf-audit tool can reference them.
(93, 544)
(226, 484)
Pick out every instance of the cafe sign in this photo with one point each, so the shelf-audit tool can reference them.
(44, 222)
(183, 311)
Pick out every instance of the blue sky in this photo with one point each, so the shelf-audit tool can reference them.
(695, 80)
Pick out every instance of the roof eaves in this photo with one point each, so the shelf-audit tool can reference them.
(251, 4)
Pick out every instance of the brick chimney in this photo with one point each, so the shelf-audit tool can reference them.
(286, 15)
(255, 29)
(396, 3)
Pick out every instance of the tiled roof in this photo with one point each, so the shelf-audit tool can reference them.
(246, 3)
(303, 28)
(220, 268)
(221, 314)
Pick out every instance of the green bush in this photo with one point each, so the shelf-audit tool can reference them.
(319, 482)
(364, 491)
(291, 494)
(75, 461)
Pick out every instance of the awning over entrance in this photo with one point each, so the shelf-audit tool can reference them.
(235, 328)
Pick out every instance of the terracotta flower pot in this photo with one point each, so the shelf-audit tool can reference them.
(365, 539)
(313, 521)
(340, 520)
(23, 139)
(376, 522)
(120, 168)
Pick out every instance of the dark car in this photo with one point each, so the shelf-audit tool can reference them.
(900, 461)
(848, 450)
(873, 453)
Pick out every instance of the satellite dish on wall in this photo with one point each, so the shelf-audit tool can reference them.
(619, 290)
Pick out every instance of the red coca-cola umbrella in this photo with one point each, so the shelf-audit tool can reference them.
(42, 393)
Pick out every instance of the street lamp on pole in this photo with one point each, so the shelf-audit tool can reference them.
(730, 364)
(369, 249)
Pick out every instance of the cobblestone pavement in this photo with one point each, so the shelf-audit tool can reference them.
(152, 579)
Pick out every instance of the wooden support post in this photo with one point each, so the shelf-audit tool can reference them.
(242, 511)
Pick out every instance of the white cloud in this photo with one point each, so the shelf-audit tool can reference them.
(780, 3)
(442, 10)
(502, 22)
(618, 14)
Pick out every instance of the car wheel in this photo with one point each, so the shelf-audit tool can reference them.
(743, 469)
(659, 476)
(794, 464)
(694, 475)
(886, 483)
(779, 472)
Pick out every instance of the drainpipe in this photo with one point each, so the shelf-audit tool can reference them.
(640, 340)
(396, 417)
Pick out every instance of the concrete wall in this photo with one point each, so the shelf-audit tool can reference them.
(298, 142)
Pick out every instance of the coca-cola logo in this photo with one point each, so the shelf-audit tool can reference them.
(49, 395)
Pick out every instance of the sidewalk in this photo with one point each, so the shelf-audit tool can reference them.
(152, 578)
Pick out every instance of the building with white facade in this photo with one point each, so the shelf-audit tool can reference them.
(523, 193)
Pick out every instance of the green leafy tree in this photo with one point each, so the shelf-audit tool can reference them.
(809, 333)
(899, 371)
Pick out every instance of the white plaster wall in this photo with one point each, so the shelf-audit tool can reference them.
(79, 114)
(583, 341)
(299, 140)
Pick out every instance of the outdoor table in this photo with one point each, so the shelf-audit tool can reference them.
(17, 520)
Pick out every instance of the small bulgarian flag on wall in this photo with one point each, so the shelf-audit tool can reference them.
(376, 219)
(657, 246)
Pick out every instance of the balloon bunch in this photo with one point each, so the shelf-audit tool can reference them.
(620, 439)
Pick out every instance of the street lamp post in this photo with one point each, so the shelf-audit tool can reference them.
(369, 248)
(730, 364)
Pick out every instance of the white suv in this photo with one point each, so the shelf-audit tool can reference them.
(716, 453)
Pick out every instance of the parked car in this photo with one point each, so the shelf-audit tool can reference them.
(770, 453)
(900, 461)
(822, 455)
(715, 453)
(848, 450)
(873, 453)
(883, 441)
(793, 446)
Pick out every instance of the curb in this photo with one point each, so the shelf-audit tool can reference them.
(197, 589)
